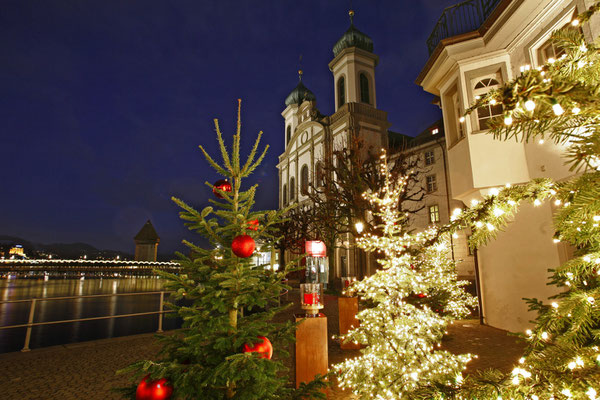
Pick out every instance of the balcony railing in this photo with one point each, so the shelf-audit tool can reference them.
(464, 17)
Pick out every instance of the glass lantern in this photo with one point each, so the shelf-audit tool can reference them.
(311, 296)
(347, 282)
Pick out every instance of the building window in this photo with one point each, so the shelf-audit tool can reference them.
(289, 135)
(458, 115)
(284, 195)
(341, 87)
(364, 89)
(431, 183)
(320, 174)
(486, 112)
(549, 50)
(469, 249)
(429, 157)
(304, 179)
(434, 213)
(292, 189)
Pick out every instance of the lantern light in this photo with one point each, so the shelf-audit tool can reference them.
(315, 248)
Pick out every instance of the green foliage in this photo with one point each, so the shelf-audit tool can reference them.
(226, 301)
(562, 360)
(407, 305)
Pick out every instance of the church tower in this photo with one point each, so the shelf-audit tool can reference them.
(146, 243)
(311, 138)
(353, 68)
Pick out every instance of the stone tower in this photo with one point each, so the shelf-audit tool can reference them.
(146, 243)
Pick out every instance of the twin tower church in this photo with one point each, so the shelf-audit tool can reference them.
(311, 136)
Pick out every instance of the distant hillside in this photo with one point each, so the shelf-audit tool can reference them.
(62, 250)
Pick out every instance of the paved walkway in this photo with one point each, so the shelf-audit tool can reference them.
(87, 370)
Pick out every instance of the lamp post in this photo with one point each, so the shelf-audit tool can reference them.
(359, 228)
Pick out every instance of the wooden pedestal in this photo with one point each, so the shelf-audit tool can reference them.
(311, 348)
(348, 308)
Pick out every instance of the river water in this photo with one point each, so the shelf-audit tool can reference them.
(52, 310)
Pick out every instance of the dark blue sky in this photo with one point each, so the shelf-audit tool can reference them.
(103, 103)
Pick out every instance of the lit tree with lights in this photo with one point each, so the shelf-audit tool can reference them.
(560, 101)
(226, 302)
(410, 302)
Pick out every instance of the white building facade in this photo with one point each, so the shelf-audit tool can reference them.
(466, 64)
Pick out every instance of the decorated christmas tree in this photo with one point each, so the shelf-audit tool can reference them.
(409, 303)
(227, 303)
(559, 101)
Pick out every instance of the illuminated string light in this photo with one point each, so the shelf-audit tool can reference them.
(557, 109)
(530, 105)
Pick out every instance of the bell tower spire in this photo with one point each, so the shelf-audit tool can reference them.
(353, 67)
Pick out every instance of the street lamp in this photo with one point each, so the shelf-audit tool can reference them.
(359, 227)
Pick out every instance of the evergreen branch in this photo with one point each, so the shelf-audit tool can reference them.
(223, 149)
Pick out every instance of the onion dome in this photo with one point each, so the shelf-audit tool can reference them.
(353, 38)
(299, 94)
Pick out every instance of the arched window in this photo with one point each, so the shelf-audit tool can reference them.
(289, 135)
(304, 179)
(292, 189)
(364, 89)
(320, 174)
(486, 112)
(341, 87)
(284, 195)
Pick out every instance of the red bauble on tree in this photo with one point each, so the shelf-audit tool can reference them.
(264, 348)
(153, 390)
(243, 246)
(253, 225)
(223, 185)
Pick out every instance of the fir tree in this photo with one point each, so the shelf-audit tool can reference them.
(560, 101)
(410, 302)
(225, 301)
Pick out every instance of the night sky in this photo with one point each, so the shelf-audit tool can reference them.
(103, 103)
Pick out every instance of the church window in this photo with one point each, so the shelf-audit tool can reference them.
(341, 88)
(486, 112)
(434, 213)
(320, 174)
(292, 189)
(289, 135)
(429, 157)
(431, 181)
(284, 195)
(304, 179)
(364, 89)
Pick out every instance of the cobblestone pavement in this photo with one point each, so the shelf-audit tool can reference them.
(87, 370)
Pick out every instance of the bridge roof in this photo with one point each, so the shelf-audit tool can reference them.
(147, 233)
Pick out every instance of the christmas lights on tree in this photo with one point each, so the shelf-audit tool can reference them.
(559, 101)
(412, 299)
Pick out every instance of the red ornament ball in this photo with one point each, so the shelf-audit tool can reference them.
(243, 246)
(253, 225)
(223, 185)
(421, 295)
(153, 390)
(264, 348)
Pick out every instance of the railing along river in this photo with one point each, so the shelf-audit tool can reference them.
(30, 323)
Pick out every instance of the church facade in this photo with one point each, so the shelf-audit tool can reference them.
(311, 138)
